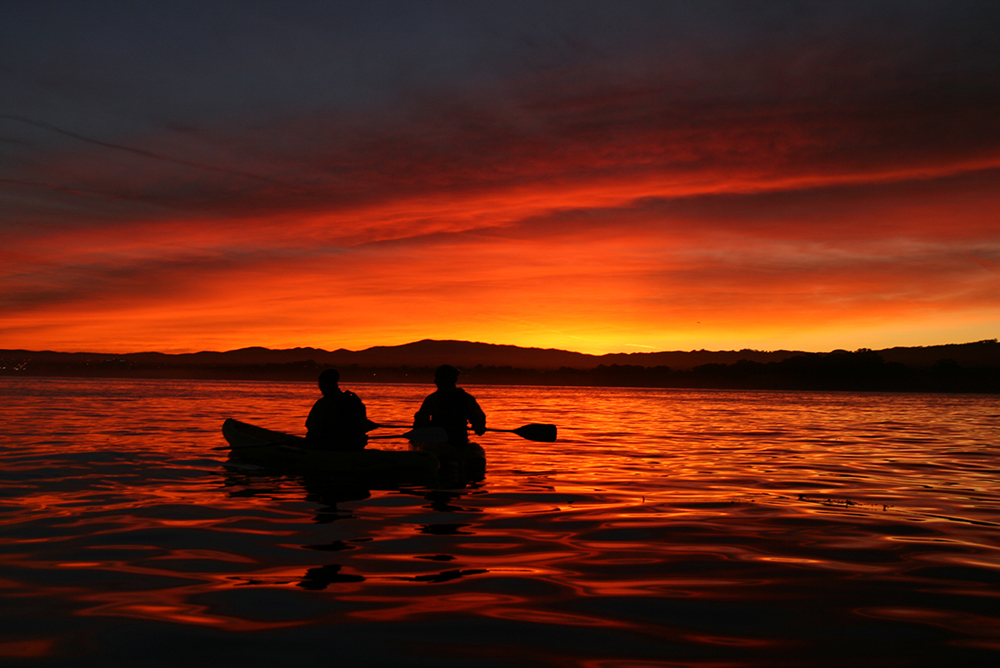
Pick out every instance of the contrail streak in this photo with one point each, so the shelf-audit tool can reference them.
(153, 155)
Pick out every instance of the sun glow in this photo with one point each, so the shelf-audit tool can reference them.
(645, 199)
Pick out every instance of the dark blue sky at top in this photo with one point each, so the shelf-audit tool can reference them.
(327, 102)
(114, 67)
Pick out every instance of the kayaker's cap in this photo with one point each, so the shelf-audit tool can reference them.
(329, 381)
(446, 374)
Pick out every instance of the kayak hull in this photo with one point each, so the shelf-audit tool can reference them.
(286, 452)
(460, 463)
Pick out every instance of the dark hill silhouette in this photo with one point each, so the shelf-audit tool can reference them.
(978, 354)
(430, 353)
(954, 367)
(419, 354)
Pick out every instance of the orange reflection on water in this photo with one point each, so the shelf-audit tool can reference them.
(730, 641)
(79, 564)
(422, 606)
(170, 606)
(27, 649)
(660, 587)
(666, 512)
(208, 555)
(536, 616)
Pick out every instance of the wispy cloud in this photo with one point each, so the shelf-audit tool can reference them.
(738, 173)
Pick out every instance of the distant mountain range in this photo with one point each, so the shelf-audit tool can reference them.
(468, 355)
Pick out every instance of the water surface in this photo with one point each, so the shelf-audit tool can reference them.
(664, 528)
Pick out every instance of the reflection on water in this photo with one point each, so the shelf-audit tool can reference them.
(664, 527)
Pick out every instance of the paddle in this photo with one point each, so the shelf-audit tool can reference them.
(543, 433)
(423, 434)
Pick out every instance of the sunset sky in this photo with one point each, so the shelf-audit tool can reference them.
(591, 176)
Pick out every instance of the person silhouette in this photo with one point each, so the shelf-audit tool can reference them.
(338, 420)
(451, 408)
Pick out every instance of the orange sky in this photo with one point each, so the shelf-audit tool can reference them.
(592, 180)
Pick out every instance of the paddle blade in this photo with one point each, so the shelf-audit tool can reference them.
(543, 433)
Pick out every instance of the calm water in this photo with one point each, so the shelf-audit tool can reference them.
(664, 528)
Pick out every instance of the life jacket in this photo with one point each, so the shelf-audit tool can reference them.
(338, 422)
(451, 409)
(355, 415)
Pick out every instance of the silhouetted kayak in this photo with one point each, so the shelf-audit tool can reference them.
(458, 463)
(286, 452)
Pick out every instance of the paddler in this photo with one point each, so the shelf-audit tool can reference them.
(451, 408)
(338, 420)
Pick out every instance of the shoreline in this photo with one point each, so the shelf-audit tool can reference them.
(859, 372)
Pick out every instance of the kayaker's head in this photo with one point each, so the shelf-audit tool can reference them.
(446, 376)
(328, 382)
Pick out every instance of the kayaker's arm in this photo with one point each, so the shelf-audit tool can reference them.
(423, 417)
(477, 418)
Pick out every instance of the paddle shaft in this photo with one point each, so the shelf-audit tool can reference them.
(431, 434)
(428, 434)
(545, 433)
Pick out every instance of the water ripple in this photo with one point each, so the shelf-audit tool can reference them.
(664, 528)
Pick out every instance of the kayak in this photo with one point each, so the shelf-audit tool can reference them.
(287, 452)
(458, 463)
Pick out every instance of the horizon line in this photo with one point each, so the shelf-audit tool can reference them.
(498, 345)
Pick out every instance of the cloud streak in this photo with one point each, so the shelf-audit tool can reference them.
(745, 174)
